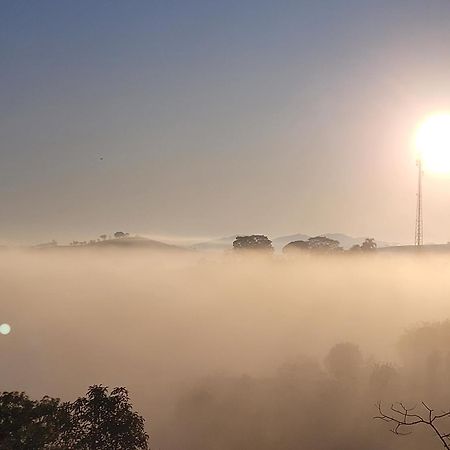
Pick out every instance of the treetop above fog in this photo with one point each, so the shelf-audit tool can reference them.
(256, 242)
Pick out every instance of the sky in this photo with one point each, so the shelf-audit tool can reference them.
(203, 118)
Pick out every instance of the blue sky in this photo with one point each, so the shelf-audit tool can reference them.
(214, 118)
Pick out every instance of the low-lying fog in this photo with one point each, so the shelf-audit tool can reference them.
(229, 353)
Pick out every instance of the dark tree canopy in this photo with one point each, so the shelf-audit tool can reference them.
(322, 243)
(253, 242)
(100, 421)
(120, 234)
(296, 246)
(344, 361)
(315, 244)
(26, 424)
(369, 245)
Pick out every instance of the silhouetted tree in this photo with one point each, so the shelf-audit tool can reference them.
(106, 421)
(254, 242)
(26, 424)
(344, 361)
(296, 246)
(319, 244)
(369, 245)
(382, 377)
(323, 244)
(99, 421)
(120, 234)
(425, 351)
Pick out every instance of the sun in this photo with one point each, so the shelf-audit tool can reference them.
(433, 143)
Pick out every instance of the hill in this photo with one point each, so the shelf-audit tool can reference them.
(223, 243)
(411, 249)
(135, 242)
(129, 242)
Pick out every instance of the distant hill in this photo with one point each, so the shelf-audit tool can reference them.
(216, 244)
(129, 242)
(135, 242)
(219, 244)
(410, 249)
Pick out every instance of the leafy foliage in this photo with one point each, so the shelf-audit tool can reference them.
(120, 234)
(103, 421)
(26, 424)
(369, 245)
(100, 421)
(296, 246)
(254, 242)
(319, 244)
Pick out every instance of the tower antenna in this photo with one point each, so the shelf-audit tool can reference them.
(419, 217)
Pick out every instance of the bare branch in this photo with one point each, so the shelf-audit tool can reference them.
(401, 417)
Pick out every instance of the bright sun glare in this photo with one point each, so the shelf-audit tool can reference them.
(433, 143)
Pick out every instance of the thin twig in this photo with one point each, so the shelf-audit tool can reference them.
(402, 417)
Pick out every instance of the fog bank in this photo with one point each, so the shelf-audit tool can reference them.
(250, 334)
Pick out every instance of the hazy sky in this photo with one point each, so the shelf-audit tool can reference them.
(216, 118)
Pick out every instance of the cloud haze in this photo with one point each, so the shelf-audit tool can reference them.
(168, 326)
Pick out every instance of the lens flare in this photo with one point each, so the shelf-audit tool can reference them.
(433, 143)
(5, 329)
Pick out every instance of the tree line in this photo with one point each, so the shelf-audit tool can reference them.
(101, 238)
(328, 403)
(317, 244)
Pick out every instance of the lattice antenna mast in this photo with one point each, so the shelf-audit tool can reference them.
(419, 217)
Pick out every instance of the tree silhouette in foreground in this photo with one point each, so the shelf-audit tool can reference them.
(100, 421)
(403, 419)
(26, 424)
(254, 242)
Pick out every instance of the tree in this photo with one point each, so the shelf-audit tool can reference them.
(323, 244)
(120, 234)
(103, 237)
(344, 361)
(369, 245)
(402, 419)
(99, 421)
(319, 244)
(296, 246)
(106, 421)
(382, 377)
(254, 242)
(26, 424)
